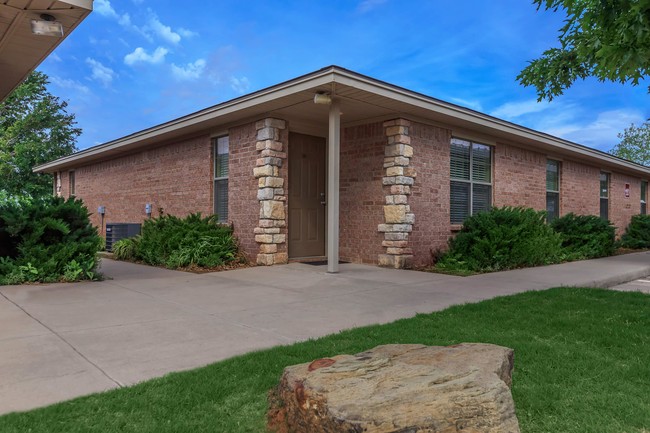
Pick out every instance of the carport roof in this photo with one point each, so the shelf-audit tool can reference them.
(21, 51)
(362, 99)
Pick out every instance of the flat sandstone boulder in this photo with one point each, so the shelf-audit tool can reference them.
(399, 388)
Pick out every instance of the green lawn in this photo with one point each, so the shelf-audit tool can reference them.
(582, 364)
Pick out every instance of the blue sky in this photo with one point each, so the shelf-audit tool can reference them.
(133, 64)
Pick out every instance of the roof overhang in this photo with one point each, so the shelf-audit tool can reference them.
(362, 99)
(21, 51)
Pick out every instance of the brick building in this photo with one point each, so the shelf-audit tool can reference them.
(335, 164)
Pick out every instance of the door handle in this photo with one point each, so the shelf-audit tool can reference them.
(322, 199)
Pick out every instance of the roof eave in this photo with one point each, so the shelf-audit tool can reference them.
(320, 77)
(335, 74)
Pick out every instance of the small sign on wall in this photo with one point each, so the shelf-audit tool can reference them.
(627, 190)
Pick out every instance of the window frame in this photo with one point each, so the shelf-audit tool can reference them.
(556, 193)
(219, 179)
(470, 181)
(606, 196)
(71, 183)
(644, 197)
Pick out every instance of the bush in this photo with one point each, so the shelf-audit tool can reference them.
(637, 234)
(503, 238)
(181, 242)
(125, 249)
(47, 240)
(585, 236)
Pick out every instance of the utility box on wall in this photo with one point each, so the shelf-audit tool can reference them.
(117, 231)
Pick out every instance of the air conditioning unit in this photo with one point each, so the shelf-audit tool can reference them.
(117, 231)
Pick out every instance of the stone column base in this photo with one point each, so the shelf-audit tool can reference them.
(270, 233)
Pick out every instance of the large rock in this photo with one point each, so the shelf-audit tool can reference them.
(401, 389)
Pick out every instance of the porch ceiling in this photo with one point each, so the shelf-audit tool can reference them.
(21, 51)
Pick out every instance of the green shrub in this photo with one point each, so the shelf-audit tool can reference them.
(585, 236)
(637, 234)
(125, 249)
(47, 240)
(181, 242)
(503, 238)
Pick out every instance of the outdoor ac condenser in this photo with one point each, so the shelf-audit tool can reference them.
(117, 231)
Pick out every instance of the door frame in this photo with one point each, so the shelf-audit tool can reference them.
(318, 134)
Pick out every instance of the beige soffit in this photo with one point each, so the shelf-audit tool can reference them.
(21, 51)
(365, 89)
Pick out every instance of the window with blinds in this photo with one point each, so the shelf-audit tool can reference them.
(552, 190)
(71, 183)
(604, 196)
(221, 150)
(644, 197)
(471, 179)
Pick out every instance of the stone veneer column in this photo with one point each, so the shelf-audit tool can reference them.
(398, 179)
(270, 233)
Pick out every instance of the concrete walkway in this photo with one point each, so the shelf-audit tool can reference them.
(60, 341)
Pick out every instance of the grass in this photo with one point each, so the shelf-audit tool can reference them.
(582, 364)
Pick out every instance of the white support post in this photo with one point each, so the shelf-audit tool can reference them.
(334, 155)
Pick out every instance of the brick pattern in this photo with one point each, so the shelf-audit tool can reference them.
(519, 177)
(398, 179)
(579, 188)
(377, 161)
(271, 232)
(621, 208)
(430, 195)
(243, 206)
(362, 195)
(175, 177)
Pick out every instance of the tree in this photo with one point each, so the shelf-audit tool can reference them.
(635, 144)
(606, 39)
(34, 128)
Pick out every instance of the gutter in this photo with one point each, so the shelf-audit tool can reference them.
(336, 74)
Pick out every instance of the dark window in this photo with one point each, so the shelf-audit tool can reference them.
(221, 150)
(644, 197)
(604, 195)
(471, 179)
(71, 182)
(552, 190)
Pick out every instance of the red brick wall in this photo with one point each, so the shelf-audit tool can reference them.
(361, 193)
(519, 177)
(176, 177)
(621, 208)
(243, 206)
(579, 189)
(429, 200)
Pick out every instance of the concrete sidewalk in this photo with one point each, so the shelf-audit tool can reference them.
(60, 341)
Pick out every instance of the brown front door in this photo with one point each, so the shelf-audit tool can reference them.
(306, 194)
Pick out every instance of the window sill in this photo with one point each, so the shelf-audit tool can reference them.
(456, 227)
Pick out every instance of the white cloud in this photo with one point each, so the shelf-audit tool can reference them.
(125, 20)
(164, 32)
(191, 71)
(141, 55)
(368, 5)
(600, 132)
(104, 8)
(186, 33)
(100, 73)
(66, 83)
(513, 110)
(54, 57)
(240, 85)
